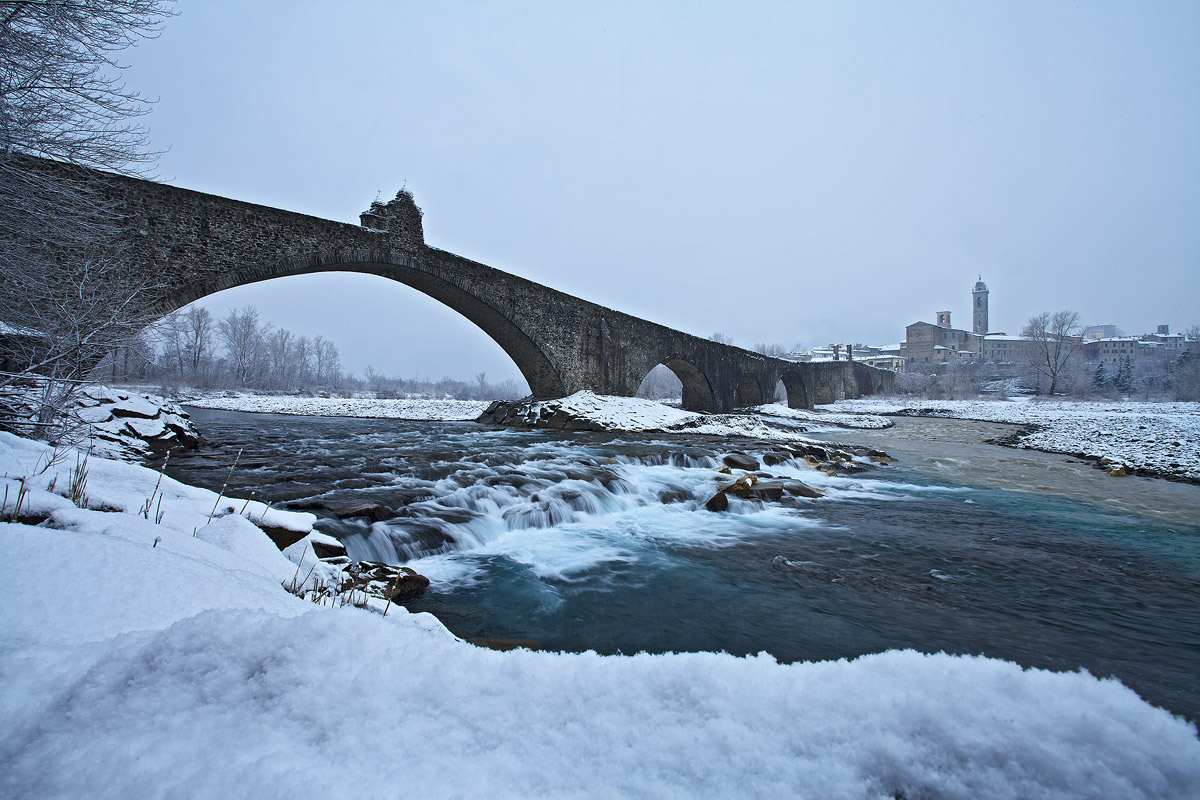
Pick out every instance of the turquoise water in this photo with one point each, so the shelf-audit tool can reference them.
(601, 542)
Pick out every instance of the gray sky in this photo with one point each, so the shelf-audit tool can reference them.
(780, 172)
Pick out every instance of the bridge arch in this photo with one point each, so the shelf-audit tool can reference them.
(749, 392)
(698, 393)
(865, 381)
(536, 367)
(823, 395)
(797, 391)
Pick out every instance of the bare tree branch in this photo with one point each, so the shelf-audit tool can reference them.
(1053, 340)
(67, 296)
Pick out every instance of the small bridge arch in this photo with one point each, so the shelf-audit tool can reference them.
(749, 391)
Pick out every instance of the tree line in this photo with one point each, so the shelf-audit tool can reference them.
(192, 349)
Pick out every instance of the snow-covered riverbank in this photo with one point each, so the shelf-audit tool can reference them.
(1155, 438)
(369, 408)
(152, 660)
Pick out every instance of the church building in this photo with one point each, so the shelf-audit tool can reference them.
(928, 343)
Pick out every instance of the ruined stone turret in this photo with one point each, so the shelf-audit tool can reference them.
(400, 218)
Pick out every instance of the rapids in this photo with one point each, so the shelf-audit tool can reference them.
(577, 541)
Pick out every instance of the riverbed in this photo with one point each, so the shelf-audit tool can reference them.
(589, 541)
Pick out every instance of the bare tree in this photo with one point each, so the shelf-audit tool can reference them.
(327, 361)
(373, 379)
(198, 327)
(721, 338)
(773, 350)
(281, 351)
(1053, 340)
(1187, 375)
(66, 298)
(242, 337)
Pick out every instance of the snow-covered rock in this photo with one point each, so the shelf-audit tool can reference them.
(131, 426)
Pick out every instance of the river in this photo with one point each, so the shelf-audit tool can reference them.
(586, 541)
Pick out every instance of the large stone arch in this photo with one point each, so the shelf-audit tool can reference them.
(698, 393)
(537, 368)
(749, 392)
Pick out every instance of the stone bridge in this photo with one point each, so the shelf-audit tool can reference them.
(195, 244)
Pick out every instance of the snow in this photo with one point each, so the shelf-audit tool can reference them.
(615, 413)
(1162, 438)
(143, 661)
(770, 422)
(121, 486)
(123, 424)
(345, 406)
(821, 417)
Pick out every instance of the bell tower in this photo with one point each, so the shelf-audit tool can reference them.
(979, 307)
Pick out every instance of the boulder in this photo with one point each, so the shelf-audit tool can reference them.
(386, 581)
(1118, 471)
(741, 461)
(375, 512)
(718, 502)
(800, 489)
(812, 451)
(141, 427)
(282, 537)
(668, 496)
(766, 490)
(741, 487)
(326, 547)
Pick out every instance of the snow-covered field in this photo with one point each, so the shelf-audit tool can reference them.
(1162, 438)
(343, 406)
(166, 660)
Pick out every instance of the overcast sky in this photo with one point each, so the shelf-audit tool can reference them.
(777, 172)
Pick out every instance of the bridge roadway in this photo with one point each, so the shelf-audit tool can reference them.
(193, 244)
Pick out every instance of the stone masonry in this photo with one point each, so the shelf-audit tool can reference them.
(193, 244)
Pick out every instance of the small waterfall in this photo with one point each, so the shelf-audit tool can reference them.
(410, 500)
